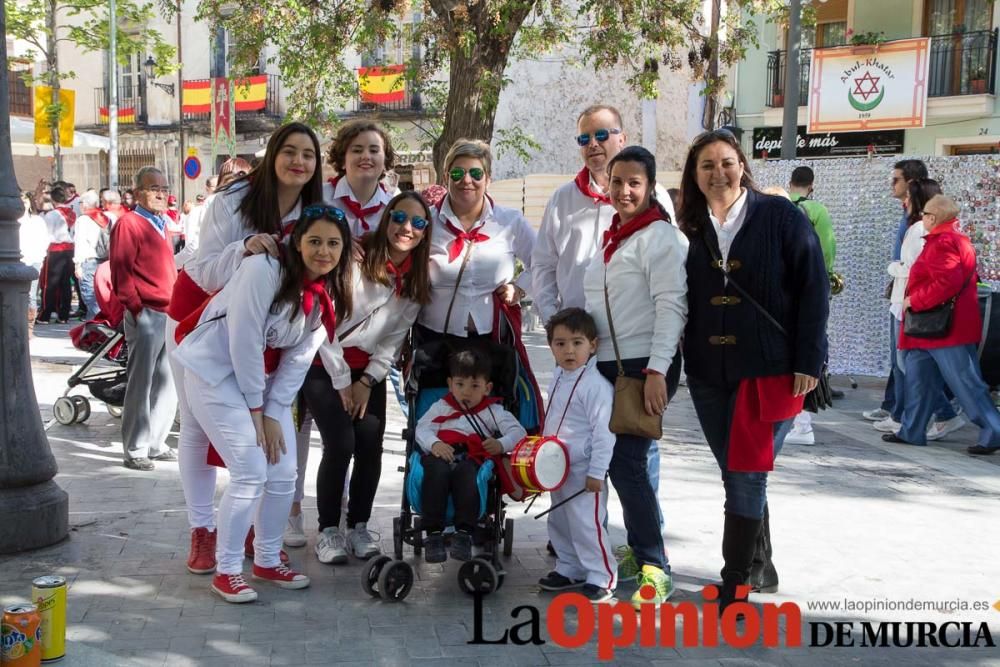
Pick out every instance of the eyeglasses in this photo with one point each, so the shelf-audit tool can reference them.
(157, 189)
(601, 135)
(458, 173)
(319, 211)
(400, 218)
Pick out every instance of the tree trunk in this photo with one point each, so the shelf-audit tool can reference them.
(53, 75)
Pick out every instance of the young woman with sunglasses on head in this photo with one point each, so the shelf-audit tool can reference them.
(390, 285)
(247, 217)
(361, 153)
(242, 398)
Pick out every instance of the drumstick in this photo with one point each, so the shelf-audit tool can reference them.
(561, 503)
(472, 422)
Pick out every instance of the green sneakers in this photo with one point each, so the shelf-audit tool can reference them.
(661, 582)
(627, 566)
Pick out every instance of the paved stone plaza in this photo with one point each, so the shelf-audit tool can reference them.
(853, 519)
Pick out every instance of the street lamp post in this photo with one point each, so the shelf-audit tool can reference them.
(34, 511)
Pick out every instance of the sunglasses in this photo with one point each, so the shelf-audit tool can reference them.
(319, 211)
(458, 173)
(601, 135)
(400, 218)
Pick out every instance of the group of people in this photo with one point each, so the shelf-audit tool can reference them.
(295, 291)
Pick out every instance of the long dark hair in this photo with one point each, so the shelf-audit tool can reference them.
(643, 157)
(417, 284)
(338, 281)
(260, 205)
(692, 214)
(920, 191)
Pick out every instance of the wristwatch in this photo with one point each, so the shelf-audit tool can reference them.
(371, 380)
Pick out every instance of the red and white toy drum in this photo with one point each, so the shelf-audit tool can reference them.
(540, 463)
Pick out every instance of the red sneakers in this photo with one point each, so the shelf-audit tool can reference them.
(233, 588)
(248, 548)
(201, 559)
(281, 576)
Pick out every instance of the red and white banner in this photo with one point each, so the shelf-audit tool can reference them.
(223, 118)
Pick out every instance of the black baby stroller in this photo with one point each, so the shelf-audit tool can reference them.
(104, 373)
(391, 578)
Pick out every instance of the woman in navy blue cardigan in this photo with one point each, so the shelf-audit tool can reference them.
(747, 377)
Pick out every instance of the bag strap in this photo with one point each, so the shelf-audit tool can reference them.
(341, 337)
(458, 281)
(720, 265)
(611, 325)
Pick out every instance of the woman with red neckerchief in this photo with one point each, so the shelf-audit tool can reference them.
(361, 154)
(641, 267)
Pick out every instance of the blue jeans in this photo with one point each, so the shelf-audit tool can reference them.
(653, 469)
(87, 270)
(927, 372)
(943, 409)
(746, 492)
(629, 472)
(397, 386)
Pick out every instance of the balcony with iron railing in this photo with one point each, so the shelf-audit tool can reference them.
(410, 102)
(961, 63)
(250, 104)
(131, 105)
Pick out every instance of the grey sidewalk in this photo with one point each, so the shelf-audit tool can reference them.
(853, 518)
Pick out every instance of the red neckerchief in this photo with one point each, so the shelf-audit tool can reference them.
(453, 402)
(316, 291)
(473, 443)
(619, 232)
(97, 216)
(582, 181)
(399, 272)
(68, 215)
(472, 236)
(354, 207)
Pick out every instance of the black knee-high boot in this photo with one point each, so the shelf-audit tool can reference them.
(763, 575)
(739, 539)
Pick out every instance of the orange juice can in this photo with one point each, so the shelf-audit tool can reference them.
(49, 595)
(21, 636)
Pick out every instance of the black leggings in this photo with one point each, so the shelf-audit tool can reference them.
(443, 479)
(342, 439)
(57, 291)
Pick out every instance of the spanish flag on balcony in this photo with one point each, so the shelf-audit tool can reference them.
(126, 115)
(250, 94)
(382, 85)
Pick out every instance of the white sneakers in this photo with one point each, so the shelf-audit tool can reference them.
(876, 415)
(295, 534)
(361, 543)
(800, 436)
(940, 429)
(331, 547)
(887, 425)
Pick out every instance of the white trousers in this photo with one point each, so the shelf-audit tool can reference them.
(258, 493)
(578, 534)
(197, 476)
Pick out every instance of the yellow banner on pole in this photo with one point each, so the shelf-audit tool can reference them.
(43, 133)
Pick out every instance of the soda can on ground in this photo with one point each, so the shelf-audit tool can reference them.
(21, 636)
(49, 594)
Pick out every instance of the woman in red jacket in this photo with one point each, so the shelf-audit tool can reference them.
(945, 270)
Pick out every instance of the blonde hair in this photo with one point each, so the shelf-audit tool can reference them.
(942, 207)
(473, 148)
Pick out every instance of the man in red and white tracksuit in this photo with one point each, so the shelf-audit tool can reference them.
(57, 292)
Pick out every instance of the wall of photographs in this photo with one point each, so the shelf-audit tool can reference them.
(865, 219)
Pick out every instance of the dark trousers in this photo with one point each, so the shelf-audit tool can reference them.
(343, 438)
(630, 476)
(442, 479)
(57, 293)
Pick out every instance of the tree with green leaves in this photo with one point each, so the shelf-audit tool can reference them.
(45, 24)
(470, 43)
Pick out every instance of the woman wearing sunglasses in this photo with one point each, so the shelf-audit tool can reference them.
(473, 251)
(248, 217)
(390, 285)
(361, 153)
(242, 398)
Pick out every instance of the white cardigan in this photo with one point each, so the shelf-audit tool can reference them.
(647, 288)
(913, 245)
(585, 427)
(234, 343)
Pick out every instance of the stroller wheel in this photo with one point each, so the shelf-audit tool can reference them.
(508, 538)
(64, 410)
(115, 411)
(478, 576)
(82, 408)
(395, 581)
(369, 580)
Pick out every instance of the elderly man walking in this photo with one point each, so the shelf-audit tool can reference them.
(143, 274)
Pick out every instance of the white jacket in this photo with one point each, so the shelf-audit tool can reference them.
(333, 196)
(913, 245)
(234, 343)
(58, 229)
(647, 288)
(192, 231)
(495, 418)
(572, 230)
(584, 429)
(220, 242)
(86, 233)
(381, 335)
(491, 264)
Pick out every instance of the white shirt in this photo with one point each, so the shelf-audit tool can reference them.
(220, 242)
(490, 265)
(34, 238)
(381, 197)
(494, 417)
(86, 234)
(234, 343)
(571, 234)
(192, 229)
(378, 325)
(647, 288)
(727, 230)
(584, 428)
(913, 245)
(56, 225)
